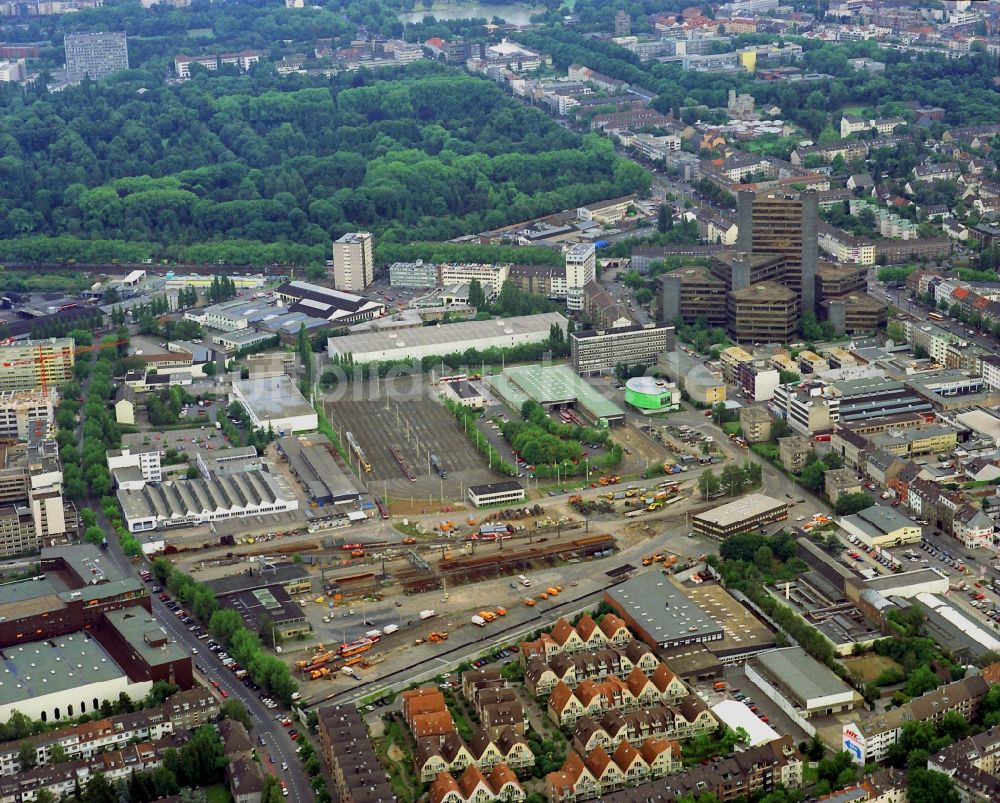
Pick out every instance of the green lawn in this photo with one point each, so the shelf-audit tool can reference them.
(731, 428)
(217, 793)
(394, 753)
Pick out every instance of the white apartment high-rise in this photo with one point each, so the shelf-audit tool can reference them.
(354, 261)
(581, 268)
(95, 55)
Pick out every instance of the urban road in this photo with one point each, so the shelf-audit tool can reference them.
(278, 748)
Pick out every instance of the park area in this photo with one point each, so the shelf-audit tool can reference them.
(869, 666)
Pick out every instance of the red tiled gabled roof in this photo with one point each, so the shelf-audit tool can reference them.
(442, 785)
(425, 705)
(992, 673)
(560, 696)
(560, 783)
(562, 631)
(597, 761)
(652, 747)
(501, 775)
(624, 755)
(586, 626)
(636, 681)
(423, 691)
(611, 624)
(573, 766)
(587, 691)
(470, 779)
(435, 41)
(662, 677)
(437, 723)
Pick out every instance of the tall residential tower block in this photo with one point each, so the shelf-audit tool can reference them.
(354, 261)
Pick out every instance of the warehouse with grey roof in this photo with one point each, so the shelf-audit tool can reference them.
(192, 502)
(430, 341)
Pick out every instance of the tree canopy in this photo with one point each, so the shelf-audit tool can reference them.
(257, 170)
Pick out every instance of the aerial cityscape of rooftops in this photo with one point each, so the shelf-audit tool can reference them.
(448, 402)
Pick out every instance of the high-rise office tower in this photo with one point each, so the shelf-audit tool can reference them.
(783, 224)
(95, 55)
(354, 261)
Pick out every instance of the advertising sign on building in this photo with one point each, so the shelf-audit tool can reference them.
(855, 743)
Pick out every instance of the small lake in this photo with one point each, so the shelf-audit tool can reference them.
(514, 13)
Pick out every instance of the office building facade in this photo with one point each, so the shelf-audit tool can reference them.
(786, 225)
(95, 55)
(354, 261)
(763, 313)
(693, 294)
(596, 350)
(417, 274)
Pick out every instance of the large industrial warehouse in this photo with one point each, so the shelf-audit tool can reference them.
(275, 402)
(429, 341)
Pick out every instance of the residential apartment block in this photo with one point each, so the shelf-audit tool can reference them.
(354, 261)
(491, 277)
(32, 506)
(95, 55)
(36, 364)
(598, 772)
(973, 764)
(581, 267)
(870, 740)
(358, 776)
(182, 711)
(451, 753)
(25, 413)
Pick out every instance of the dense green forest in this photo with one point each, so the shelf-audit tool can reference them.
(293, 161)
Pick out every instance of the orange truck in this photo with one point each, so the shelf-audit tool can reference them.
(501, 611)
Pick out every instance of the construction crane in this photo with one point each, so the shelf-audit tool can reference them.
(42, 359)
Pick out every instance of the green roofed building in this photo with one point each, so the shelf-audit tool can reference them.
(651, 395)
(555, 387)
